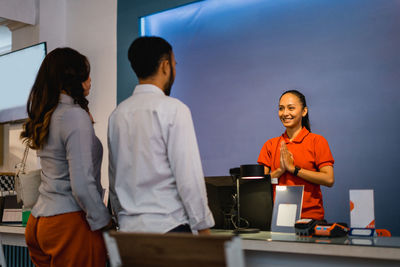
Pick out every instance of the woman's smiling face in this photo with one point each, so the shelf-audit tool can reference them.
(291, 111)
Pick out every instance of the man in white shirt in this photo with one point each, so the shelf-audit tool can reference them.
(156, 178)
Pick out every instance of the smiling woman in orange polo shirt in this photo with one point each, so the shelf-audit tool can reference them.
(299, 157)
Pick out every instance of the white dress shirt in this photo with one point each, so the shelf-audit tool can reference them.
(155, 172)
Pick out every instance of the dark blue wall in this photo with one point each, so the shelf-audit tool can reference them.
(129, 12)
(342, 54)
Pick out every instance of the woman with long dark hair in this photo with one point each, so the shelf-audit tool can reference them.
(65, 223)
(299, 157)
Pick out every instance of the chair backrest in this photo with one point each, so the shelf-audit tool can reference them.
(145, 249)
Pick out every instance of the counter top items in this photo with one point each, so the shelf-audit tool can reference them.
(362, 213)
(287, 208)
(10, 210)
(331, 229)
(361, 232)
(306, 227)
(253, 199)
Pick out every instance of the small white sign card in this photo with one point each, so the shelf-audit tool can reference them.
(287, 208)
(362, 214)
(12, 216)
(286, 215)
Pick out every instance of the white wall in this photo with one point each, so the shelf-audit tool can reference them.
(91, 28)
(88, 26)
(52, 21)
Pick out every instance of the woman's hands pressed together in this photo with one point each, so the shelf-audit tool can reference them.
(286, 159)
(324, 176)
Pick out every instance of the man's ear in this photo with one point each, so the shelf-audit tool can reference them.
(164, 66)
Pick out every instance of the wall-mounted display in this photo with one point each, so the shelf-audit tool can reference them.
(18, 71)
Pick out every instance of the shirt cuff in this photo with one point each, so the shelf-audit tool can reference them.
(205, 223)
(99, 223)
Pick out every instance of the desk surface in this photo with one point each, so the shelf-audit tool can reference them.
(12, 228)
(384, 248)
(393, 242)
(12, 234)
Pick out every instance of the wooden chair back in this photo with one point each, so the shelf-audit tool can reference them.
(145, 249)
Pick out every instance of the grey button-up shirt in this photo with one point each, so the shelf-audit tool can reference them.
(71, 161)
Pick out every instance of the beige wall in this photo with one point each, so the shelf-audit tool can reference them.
(88, 26)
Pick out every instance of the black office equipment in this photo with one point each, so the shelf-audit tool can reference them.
(331, 229)
(255, 202)
(306, 227)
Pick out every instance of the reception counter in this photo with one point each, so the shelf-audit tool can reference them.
(12, 235)
(267, 248)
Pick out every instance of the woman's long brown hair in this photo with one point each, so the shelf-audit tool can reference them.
(62, 69)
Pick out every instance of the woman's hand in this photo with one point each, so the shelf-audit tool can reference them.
(110, 226)
(324, 176)
(287, 160)
(282, 162)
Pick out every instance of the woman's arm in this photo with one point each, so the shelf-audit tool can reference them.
(324, 176)
(78, 137)
(275, 174)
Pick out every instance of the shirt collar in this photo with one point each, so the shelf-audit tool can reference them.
(147, 88)
(66, 99)
(299, 138)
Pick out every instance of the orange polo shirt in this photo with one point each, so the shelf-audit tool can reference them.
(311, 152)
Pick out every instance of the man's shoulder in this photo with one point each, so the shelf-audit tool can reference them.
(176, 102)
(159, 102)
(167, 104)
(121, 106)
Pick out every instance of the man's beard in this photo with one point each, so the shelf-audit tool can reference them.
(169, 83)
